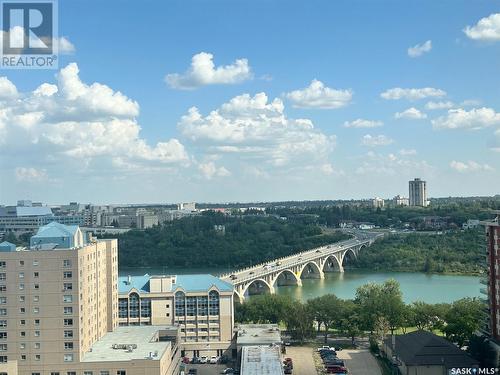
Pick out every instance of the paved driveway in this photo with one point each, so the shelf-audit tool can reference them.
(303, 363)
(359, 362)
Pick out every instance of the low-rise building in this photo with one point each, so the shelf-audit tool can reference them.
(424, 353)
(261, 360)
(202, 306)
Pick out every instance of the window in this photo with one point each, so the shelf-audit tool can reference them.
(67, 274)
(21, 275)
(121, 372)
(180, 304)
(68, 322)
(36, 310)
(3, 264)
(66, 263)
(68, 358)
(54, 373)
(37, 322)
(21, 263)
(37, 286)
(36, 298)
(191, 306)
(3, 323)
(3, 288)
(22, 298)
(21, 286)
(68, 286)
(68, 298)
(145, 307)
(22, 322)
(68, 333)
(22, 334)
(134, 305)
(87, 373)
(68, 310)
(68, 346)
(37, 357)
(3, 359)
(36, 274)
(22, 346)
(37, 333)
(3, 312)
(37, 345)
(3, 276)
(3, 300)
(104, 373)
(3, 347)
(23, 357)
(123, 307)
(71, 373)
(35, 262)
(35, 373)
(213, 303)
(22, 310)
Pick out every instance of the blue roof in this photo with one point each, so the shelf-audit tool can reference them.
(7, 246)
(55, 229)
(190, 283)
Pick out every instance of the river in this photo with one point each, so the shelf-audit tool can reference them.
(415, 286)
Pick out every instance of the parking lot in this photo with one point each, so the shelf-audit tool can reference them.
(302, 356)
(205, 369)
(360, 362)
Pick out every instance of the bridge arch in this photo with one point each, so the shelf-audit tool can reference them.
(311, 270)
(286, 277)
(258, 283)
(332, 264)
(350, 254)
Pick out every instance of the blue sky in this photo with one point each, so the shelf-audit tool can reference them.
(79, 141)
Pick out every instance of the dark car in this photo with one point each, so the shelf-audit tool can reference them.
(193, 371)
(195, 360)
(335, 369)
(288, 370)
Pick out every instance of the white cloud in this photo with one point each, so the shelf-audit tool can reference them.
(7, 89)
(419, 49)
(476, 118)
(469, 166)
(407, 152)
(439, 105)
(210, 170)
(411, 114)
(362, 123)
(204, 72)
(24, 174)
(87, 125)
(253, 129)
(65, 46)
(471, 103)
(412, 94)
(375, 164)
(486, 29)
(376, 140)
(317, 95)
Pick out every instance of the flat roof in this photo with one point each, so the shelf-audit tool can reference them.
(142, 336)
(261, 360)
(258, 334)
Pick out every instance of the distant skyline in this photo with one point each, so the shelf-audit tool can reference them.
(249, 101)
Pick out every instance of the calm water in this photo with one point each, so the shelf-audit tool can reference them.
(415, 286)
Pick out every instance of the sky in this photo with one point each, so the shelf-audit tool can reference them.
(224, 101)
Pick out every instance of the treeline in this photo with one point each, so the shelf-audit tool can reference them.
(242, 241)
(377, 310)
(454, 213)
(450, 252)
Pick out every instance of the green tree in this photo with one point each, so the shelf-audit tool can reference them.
(462, 320)
(299, 322)
(349, 320)
(326, 311)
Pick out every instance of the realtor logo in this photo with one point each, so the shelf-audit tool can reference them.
(29, 37)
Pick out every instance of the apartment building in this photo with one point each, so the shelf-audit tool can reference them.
(202, 306)
(59, 311)
(417, 193)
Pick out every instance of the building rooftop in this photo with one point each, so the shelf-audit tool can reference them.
(25, 211)
(258, 334)
(425, 348)
(190, 283)
(7, 246)
(261, 360)
(144, 340)
(55, 229)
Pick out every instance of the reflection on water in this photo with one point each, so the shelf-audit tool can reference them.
(415, 286)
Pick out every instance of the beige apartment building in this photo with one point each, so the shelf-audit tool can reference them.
(201, 305)
(59, 311)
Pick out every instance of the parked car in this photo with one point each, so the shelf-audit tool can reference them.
(233, 277)
(326, 347)
(335, 369)
(195, 360)
(213, 360)
(223, 359)
(193, 371)
(203, 359)
(227, 371)
(287, 370)
(185, 360)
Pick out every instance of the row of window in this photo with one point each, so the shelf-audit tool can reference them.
(66, 263)
(102, 372)
(201, 305)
